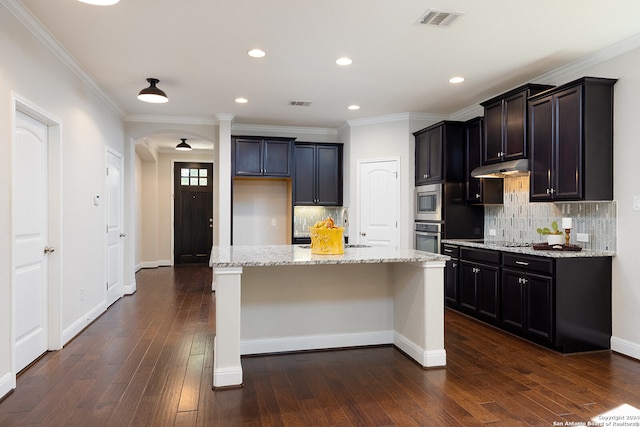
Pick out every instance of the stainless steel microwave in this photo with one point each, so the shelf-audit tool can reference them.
(428, 200)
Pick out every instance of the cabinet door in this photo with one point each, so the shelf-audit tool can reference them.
(468, 286)
(276, 158)
(539, 303)
(473, 133)
(329, 175)
(515, 127)
(492, 133)
(248, 157)
(451, 283)
(304, 175)
(567, 170)
(487, 291)
(541, 140)
(512, 301)
(435, 148)
(422, 158)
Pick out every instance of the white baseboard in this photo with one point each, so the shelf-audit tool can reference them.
(154, 264)
(625, 347)
(314, 342)
(226, 377)
(427, 358)
(130, 289)
(83, 322)
(7, 383)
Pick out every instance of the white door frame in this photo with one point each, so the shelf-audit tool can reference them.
(358, 226)
(54, 221)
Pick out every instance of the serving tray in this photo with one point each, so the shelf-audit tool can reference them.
(548, 247)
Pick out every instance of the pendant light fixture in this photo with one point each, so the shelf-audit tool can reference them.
(183, 146)
(152, 93)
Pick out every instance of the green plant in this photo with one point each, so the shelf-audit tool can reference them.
(545, 231)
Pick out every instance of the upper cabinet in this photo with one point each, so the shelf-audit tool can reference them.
(571, 136)
(505, 124)
(258, 156)
(479, 190)
(439, 153)
(318, 174)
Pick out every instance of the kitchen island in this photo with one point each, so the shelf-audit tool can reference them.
(283, 298)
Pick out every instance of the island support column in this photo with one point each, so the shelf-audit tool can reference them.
(227, 370)
(419, 312)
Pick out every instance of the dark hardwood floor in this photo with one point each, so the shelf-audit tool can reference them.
(147, 362)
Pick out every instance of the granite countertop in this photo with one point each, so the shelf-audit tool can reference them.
(500, 246)
(273, 255)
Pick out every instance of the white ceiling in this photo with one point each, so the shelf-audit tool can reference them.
(197, 48)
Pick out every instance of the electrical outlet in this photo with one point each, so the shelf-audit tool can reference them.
(582, 237)
(81, 294)
(492, 232)
(273, 222)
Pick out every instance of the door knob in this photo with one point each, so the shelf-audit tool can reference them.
(362, 233)
(123, 235)
(49, 249)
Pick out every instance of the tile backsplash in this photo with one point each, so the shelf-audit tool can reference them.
(516, 220)
(306, 216)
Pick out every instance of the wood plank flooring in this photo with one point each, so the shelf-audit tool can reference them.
(147, 362)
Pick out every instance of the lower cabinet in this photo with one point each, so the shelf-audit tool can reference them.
(480, 283)
(563, 303)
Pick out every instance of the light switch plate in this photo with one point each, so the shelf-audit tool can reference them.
(582, 237)
(636, 203)
(492, 232)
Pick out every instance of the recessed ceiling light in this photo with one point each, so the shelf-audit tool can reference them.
(242, 100)
(100, 2)
(256, 53)
(344, 61)
(456, 79)
(353, 107)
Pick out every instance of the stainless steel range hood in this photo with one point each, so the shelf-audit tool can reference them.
(500, 170)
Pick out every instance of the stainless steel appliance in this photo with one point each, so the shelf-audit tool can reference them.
(428, 202)
(427, 236)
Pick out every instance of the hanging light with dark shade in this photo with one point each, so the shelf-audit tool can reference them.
(153, 94)
(183, 146)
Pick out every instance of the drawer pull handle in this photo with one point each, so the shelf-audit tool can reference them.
(448, 250)
(522, 263)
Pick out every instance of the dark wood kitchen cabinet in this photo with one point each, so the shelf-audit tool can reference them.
(317, 174)
(480, 283)
(259, 156)
(479, 190)
(505, 124)
(571, 135)
(527, 297)
(439, 153)
(563, 303)
(451, 275)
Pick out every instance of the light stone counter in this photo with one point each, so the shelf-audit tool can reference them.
(584, 253)
(272, 299)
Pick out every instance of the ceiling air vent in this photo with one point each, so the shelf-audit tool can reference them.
(438, 18)
(299, 103)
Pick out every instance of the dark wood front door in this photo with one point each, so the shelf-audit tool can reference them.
(193, 212)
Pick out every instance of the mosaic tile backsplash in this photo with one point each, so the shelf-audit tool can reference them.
(517, 220)
(306, 216)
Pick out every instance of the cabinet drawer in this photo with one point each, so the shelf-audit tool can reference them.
(450, 250)
(528, 263)
(481, 255)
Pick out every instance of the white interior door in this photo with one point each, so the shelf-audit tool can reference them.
(379, 196)
(30, 271)
(115, 231)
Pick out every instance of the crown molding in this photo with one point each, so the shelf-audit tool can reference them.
(249, 128)
(175, 120)
(396, 117)
(35, 26)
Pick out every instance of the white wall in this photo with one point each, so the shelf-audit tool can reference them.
(88, 125)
